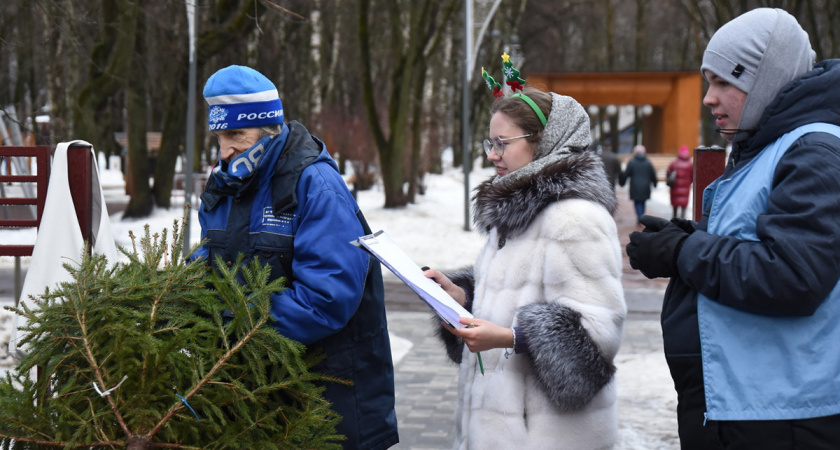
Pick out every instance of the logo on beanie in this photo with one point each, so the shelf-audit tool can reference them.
(739, 69)
(216, 115)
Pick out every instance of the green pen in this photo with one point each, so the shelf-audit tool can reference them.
(478, 354)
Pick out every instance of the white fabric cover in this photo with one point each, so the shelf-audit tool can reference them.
(60, 238)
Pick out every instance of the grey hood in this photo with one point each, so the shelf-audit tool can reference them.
(566, 130)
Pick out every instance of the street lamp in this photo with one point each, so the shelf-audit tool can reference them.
(642, 112)
(470, 52)
(188, 167)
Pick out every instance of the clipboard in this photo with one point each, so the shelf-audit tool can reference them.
(384, 249)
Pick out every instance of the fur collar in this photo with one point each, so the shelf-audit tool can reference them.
(512, 206)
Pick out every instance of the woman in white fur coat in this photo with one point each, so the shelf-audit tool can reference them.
(545, 290)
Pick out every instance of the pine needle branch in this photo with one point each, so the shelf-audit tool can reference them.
(144, 331)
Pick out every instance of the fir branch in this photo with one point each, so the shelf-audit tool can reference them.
(241, 342)
(49, 443)
(97, 370)
(156, 321)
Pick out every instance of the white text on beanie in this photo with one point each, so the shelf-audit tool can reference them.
(241, 97)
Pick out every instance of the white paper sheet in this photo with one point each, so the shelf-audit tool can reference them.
(381, 246)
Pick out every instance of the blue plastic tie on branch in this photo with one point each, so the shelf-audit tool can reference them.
(184, 401)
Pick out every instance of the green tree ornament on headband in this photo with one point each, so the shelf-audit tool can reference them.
(515, 82)
(492, 84)
(512, 77)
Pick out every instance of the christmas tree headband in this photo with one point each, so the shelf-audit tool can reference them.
(515, 82)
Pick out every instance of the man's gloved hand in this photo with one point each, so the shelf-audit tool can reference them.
(654, 250)
(689, 226)
(653, 223)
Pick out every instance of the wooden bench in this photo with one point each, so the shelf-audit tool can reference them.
(41, 181)
(80, 180)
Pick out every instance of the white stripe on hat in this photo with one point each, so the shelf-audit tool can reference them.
(263, 96)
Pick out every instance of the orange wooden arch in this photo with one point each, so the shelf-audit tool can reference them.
(675, 97)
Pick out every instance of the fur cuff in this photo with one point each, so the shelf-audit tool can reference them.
(464, 279)
(567, 362)
(453, 344)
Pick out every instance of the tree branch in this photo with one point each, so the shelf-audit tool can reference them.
(277, 7)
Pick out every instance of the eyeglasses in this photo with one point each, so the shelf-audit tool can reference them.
(497, 144)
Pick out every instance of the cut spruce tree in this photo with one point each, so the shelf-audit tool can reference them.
(139, 354)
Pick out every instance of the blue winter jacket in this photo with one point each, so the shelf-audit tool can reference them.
(787, 271)
(297, 215)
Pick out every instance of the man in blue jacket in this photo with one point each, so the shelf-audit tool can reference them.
(751, 316)
(277, 194)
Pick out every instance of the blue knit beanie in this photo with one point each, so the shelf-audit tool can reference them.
(241, 97)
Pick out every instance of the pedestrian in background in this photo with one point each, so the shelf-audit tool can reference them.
(276, 195)
(680, 176)
(751, 317)
(612, 165)
(545, 290)
(642, 178)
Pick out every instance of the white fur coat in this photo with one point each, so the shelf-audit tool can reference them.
(551, 265)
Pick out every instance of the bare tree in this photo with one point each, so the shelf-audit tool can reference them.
(412, 28)
(132, 79)
(224, 25)
(400, 61)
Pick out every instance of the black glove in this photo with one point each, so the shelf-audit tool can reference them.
(653, 223)
(654, 250)
(688, 226)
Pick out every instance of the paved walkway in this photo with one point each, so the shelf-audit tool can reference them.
(427, 382)
(427, 386)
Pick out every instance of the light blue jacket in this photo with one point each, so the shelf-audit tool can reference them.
(758, 367)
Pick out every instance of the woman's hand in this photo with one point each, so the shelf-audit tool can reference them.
(483, 335)
(447, 285)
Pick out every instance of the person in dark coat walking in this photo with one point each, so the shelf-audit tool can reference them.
(642, 177)
(680, 175)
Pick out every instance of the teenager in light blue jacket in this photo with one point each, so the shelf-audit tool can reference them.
(751, 318)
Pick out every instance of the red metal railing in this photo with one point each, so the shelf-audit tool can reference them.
(41, 182)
